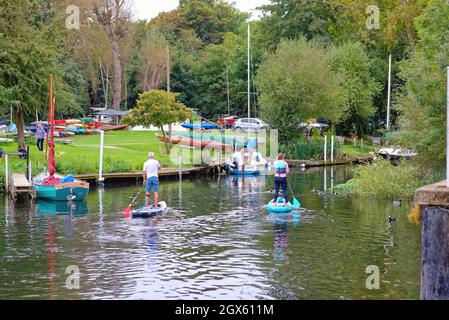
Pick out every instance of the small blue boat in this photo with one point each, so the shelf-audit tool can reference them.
(250, 172)
(280, 206)
(205, 126)
(75, 191)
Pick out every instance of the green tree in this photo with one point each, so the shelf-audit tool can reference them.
(358, 87)
(211, 19)
(30, 51)
(290, 19)
(218, 64)
(298, 83)
(423, 108)
(157, 108)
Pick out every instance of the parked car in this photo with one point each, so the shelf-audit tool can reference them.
(249, 125)
(227, 121)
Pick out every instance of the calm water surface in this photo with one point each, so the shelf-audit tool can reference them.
(217, 242)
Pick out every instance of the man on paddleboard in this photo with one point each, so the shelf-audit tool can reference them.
(281, 171)
(151, 179)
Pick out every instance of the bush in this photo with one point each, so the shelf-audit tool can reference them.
(383, 180)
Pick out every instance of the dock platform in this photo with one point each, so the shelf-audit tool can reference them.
(19, 184)
(137, 175)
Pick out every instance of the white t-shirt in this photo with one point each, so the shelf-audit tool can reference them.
(151, 167)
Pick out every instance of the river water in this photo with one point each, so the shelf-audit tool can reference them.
(216, 242)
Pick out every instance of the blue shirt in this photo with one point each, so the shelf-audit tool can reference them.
(281, 168)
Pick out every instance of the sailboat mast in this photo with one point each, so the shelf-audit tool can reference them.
(51, 132)
(227, 87)
(389, 93)
(249, 72)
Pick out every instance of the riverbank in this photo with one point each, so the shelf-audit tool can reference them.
(125, 151)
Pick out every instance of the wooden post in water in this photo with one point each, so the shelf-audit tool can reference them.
(447, 129)
(180, 164)
(6, 173)
(325, 149)
(332, 149)
(434, 205)
(100, 174)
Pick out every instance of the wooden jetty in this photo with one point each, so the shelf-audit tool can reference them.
(337, 162)
(19, 184)
(163, 173)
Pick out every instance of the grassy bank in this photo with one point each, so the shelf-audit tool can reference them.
(124, 151)
(351, 151)
(383, 180)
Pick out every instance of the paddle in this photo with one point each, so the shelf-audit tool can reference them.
(127, 211)
(296, 203)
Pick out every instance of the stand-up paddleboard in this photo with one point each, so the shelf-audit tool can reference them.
(280, 206)
(150, 211)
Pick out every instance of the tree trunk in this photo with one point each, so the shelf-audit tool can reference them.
(117, 74)
(20, 123)
(167, 144)
(409, 28)
(170, 130)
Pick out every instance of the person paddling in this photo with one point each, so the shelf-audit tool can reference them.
(281, 171)
(151, 179)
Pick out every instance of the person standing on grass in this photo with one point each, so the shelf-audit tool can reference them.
(281, 171)
(151, 179)
(40, 137)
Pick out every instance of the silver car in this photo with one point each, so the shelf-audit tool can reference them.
(250, 125)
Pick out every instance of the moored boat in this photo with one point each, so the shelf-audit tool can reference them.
(49, 185)
(247, 162)
(202, 126)
(195, 143)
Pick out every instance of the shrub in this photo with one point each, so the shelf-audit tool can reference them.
(383, 180)
(305, 150)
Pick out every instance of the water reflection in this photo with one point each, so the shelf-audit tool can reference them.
(281, 223)
(219, 243)
(61, 208)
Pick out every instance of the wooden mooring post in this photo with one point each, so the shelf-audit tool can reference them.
(434, 205)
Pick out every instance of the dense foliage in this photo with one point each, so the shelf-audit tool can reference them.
(309, 59)
(383, 180)
(157, 108)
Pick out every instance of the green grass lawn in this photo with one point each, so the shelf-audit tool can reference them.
(124, 151)
(358, 151)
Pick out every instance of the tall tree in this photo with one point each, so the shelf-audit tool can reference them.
(290, 19)
(211, 19)
(31, 50)
(114, 16)
(154, 60)
(359, 87)
(298, 83)
(423, 108)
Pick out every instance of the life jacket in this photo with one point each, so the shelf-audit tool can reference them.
(280, 167)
